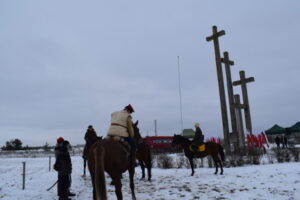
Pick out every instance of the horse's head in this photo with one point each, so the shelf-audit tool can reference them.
(176, 139)
(137, 134)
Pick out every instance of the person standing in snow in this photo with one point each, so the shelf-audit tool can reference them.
(277, 141)
(63, 166)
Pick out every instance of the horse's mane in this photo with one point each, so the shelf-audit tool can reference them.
(137, 134)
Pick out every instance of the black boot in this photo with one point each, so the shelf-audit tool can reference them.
(70, 194)
(64, 198)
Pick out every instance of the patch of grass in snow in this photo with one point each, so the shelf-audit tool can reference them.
(232, 191)
(216, 189)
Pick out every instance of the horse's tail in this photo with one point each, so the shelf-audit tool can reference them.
(100, 186)
(221, 152)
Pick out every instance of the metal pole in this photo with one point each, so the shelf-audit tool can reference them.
(155, 127)
(180, 103)
(23, 175)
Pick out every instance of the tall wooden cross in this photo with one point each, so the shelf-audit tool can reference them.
(228, 63)
(238, 110)
(215, 37)
(243, 81)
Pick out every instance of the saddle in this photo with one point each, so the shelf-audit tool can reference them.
(199, 148)
(120, 140)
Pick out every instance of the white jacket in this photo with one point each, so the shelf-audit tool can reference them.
(119, 124)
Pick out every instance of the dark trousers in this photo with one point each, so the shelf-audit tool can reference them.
(132, 143)
(196, 143)
(63, 185)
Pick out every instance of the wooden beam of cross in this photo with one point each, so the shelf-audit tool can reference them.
(215, 35)
(243, 81)
(229, 63)
(215, 38)
(239, 119)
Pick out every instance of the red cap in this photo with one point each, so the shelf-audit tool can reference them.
(60, 140)
(129, 108)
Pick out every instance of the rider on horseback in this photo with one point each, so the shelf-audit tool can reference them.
(121, 125)
(198, 138)
(90, 137)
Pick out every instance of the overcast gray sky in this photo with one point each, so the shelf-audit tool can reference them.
(67, 64)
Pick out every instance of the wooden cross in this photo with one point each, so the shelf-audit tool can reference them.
(243, 81)
(239, 119)
(215, 37)
(229, 63)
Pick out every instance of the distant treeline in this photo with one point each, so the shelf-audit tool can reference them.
(17, 144)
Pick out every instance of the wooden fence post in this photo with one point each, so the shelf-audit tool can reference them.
(23, 175)
(49, 163)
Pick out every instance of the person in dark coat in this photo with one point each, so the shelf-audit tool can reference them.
(281, 141)
(90, 137)
(198, 138)
(63, 166)
(285, 141)
(277, 141)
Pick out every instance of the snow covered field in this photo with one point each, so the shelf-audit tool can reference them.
(274, 181)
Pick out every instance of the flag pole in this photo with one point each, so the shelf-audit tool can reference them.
(180, 102)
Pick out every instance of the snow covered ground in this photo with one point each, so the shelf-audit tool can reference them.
(274, 181)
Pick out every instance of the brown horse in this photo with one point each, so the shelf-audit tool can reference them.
(143, 153)
(211, 148)
(113, 157)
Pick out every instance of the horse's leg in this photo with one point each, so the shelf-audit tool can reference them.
(148, 162)
(143, 168)
(216, 163)
(131, 176)
(84, 166)
(112, 181)
(221, 165)
(118, 187)
(192, 165)
(149, 170)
